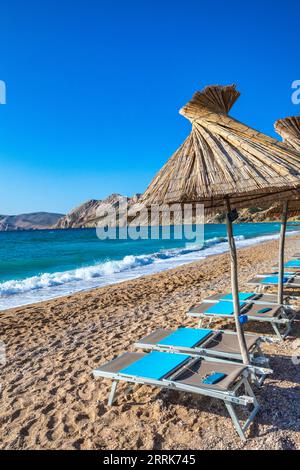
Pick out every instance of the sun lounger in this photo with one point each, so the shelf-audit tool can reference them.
(288, 274)
(262, 281)
(292, 270)
(248, 297)
(292, 265)
(185, 373)
(221, 345)
(280, 317)
(296, 255)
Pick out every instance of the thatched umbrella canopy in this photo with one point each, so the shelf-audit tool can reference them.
(223, 161)
(289, 130)
(223, 158)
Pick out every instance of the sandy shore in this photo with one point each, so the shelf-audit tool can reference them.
(49, 399)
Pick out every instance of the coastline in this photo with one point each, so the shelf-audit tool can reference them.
(50, 400)
(107, 269)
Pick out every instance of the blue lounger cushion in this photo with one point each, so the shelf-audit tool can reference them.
(222, 308)
(242, 296)
(273, 280)
(155, 365)
(185, 337)
(292, 263)
(214, 378)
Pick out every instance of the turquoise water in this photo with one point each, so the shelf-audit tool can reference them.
(36, 265)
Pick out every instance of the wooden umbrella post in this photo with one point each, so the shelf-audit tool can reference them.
(281, 251)
(234, 286)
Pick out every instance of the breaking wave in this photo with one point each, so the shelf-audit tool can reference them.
(49, 285)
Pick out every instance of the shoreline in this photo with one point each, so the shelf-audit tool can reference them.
(181, 257)
(50, 400)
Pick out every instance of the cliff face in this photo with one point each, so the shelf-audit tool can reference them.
(254, 214)
(92, 213)
(33, 221)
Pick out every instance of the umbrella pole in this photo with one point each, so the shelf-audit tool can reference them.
(234, 286)
(281, 251)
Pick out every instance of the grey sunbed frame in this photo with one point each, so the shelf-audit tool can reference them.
(293, 269)
(230, 397)
(260, 298)
(293, 282)
(259, 362)
(281, 321)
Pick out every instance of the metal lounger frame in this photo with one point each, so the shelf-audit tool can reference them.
(294, 269)
(230, 398)
(253, 300)
(258, 374)
(259, 287)
(282, 319)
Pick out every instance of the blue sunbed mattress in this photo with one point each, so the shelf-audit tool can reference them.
(185, 337)
(222, 308)
(292, 263)
(242, 296)
(155, 365)
(273, 280)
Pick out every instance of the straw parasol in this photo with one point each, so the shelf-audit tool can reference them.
(224, 162)
(289, 130)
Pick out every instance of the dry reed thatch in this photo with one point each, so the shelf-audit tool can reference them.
(223, 158)
(289, 129)
(221, 162)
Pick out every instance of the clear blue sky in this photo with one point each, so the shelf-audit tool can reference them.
(94, 87)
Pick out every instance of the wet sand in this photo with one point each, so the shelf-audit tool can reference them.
(49, 399)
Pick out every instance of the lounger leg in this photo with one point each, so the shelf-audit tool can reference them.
(249, 390)
(260, 357)
(111, 397)
(287, 330)
(242, 429)
(256, 379)
(277, 331)
(235, 421)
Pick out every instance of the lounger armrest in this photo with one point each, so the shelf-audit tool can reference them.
(262, 370)
(283, 321)
(266, 339)
(243, 400)
(247, 399)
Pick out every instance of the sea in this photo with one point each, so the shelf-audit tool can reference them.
(44, 264)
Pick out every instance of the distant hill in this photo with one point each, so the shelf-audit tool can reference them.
(88, 214)
(32, 221)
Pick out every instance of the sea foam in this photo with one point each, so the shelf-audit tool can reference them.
(50, 285)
